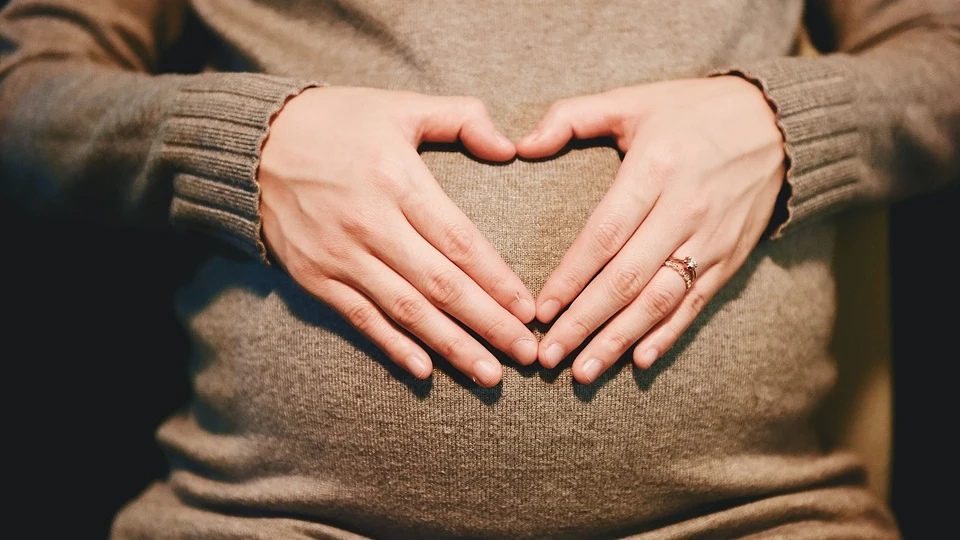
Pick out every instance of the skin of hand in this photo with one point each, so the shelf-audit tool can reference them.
(703, 165)
(351, 212)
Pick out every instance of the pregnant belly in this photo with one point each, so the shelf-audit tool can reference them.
(296, 414)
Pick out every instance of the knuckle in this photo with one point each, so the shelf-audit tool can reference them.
(665, 160)
(456, 243)
(311, 269)
(344, 270)
(612, 101)
(608, 237)
(558, 109)
(392, 344)
(362, 316)
(618, 342)
(659, 302)
(474, 106)
(667, 337)
(697, 301)
(451, 347)
(579, 328)
(391, 340)
(627, 282)
(389, 176)
(737, 248)
(497, 287)
(337, 251)
(408, 310)
(353, 225)
(491, 330)
(571, 281)
(305, 272)
(697, 210)
(443, 288)
(314, 281)
(358, 222)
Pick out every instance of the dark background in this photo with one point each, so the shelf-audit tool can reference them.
(95, 360)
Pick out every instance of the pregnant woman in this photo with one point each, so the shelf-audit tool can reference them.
(491, 269)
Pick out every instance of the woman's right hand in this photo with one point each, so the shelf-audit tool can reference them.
(355, 217)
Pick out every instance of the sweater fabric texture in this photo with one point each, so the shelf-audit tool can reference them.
(152, 114)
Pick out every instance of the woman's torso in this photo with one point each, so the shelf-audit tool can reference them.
(297, 417)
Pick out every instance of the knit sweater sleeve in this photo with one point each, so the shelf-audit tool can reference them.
(876, 117)
(90, 129)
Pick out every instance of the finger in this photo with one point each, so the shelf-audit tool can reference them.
(668, 331)
(608, 228)
(584, 117)
(615, 286)
(657, 300)
(708, 282)
(447, 287)
(450, 231)
(412, 311)
(363, 315)
(449, 118)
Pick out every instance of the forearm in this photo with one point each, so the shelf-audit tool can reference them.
(877, 120)
(140, 149)
(81, 139)
(87, 130)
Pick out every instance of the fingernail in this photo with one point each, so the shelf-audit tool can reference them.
(548, 310)
(530, 137)
(523, 308)
(486, 372)
(648, 357)
(504, 141)
(553, 355)
(525, 351)
(419, 367)
(591, 369)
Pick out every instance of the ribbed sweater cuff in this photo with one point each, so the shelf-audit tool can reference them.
(212, 140)
(813, 99)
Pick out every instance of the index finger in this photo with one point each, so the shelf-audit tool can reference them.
(450, 231)
(612, 223)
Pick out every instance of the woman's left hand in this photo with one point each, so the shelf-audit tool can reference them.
(703, 165)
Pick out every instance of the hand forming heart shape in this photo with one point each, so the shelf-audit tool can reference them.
(366, 229)
(703, 166)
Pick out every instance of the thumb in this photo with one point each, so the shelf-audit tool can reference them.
(447, 119)
(585, 117)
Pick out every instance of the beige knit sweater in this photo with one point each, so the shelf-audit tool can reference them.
(299, 428)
